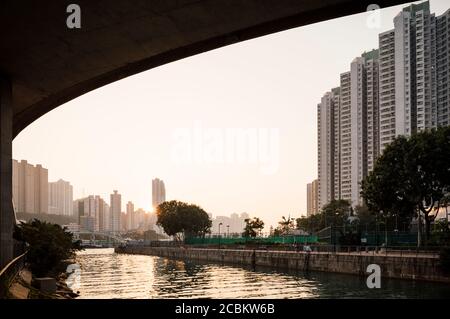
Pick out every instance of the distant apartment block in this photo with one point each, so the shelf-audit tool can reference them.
(144, 220)
(312, 198)
(93, 214)
(30, 188)
(158, 192)
(399, 89)
(233, 224)
(327, 152)
(414, 73)
(115, 211)
(130, 217)
(60, 198)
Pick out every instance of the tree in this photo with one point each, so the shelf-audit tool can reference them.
(253, 227)
(411, 177)
(180, 219)
(304, 223)
(366, 218)
(285, 226)
(311, 223)
(336, 212)
(49, 244)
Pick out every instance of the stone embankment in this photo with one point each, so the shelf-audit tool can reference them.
(410, 267)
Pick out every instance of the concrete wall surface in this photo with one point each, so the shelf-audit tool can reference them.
(402, 267)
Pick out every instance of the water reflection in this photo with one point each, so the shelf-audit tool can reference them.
(105, 274)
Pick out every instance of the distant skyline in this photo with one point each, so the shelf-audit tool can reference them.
(121, 136)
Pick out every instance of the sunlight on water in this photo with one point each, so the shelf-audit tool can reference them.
(105, 274)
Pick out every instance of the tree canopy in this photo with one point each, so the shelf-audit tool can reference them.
(182, 219)
(334, 213)
(411, 176)
(49, 244)
(285, 226)
(253, 227)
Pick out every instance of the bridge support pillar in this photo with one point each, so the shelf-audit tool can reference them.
(7, 218)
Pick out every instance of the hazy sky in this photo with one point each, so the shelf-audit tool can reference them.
(122, 135)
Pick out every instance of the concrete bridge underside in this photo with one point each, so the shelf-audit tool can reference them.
(44, 64)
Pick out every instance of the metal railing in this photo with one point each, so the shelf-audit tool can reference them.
(390, 251)
(9, 272)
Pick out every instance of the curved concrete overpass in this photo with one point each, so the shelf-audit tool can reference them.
(50, 64)
(44, 64)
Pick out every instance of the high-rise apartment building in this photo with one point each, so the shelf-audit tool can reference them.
(233, 224)
(364, 120)
(60, 198)
(86, 213)
(93, 213)
(414, 73)
(386, 88)
(442, 70)
(345, 145)
(131, 223)
(358, 126)
(107, 226)
(399, 89)
(372, 92)
(328, 156)
(158, 192)
(101, 214)
(312, 198)
(115, 211)
(30, 188)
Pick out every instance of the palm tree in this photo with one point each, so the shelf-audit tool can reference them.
(286, 224)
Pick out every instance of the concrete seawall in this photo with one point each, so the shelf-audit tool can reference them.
(402, 267)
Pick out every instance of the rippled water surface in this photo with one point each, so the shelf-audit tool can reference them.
(105, 274)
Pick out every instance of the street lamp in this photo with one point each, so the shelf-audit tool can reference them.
(228, 231)
(385, 232)
(333, 230)
(220, 224)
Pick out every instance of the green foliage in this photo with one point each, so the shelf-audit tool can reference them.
(178, 218)
(144, 235)
(412, 175)
(440, 235)
(350, 238)
(365, 216)
(50, 218)
(334, 213)
(49, 244)
(285, 226)
(310, 224)
(252, 227)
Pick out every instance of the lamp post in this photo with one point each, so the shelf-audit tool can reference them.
(220, 224)
(376, 231)
(228, 231)
(334, 230)
(385, 232)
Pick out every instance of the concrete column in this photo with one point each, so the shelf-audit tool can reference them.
(6, 211)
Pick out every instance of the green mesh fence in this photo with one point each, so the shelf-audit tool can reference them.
(249, 240)
(393, 238)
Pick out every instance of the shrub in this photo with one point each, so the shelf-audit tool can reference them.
(49, 244)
